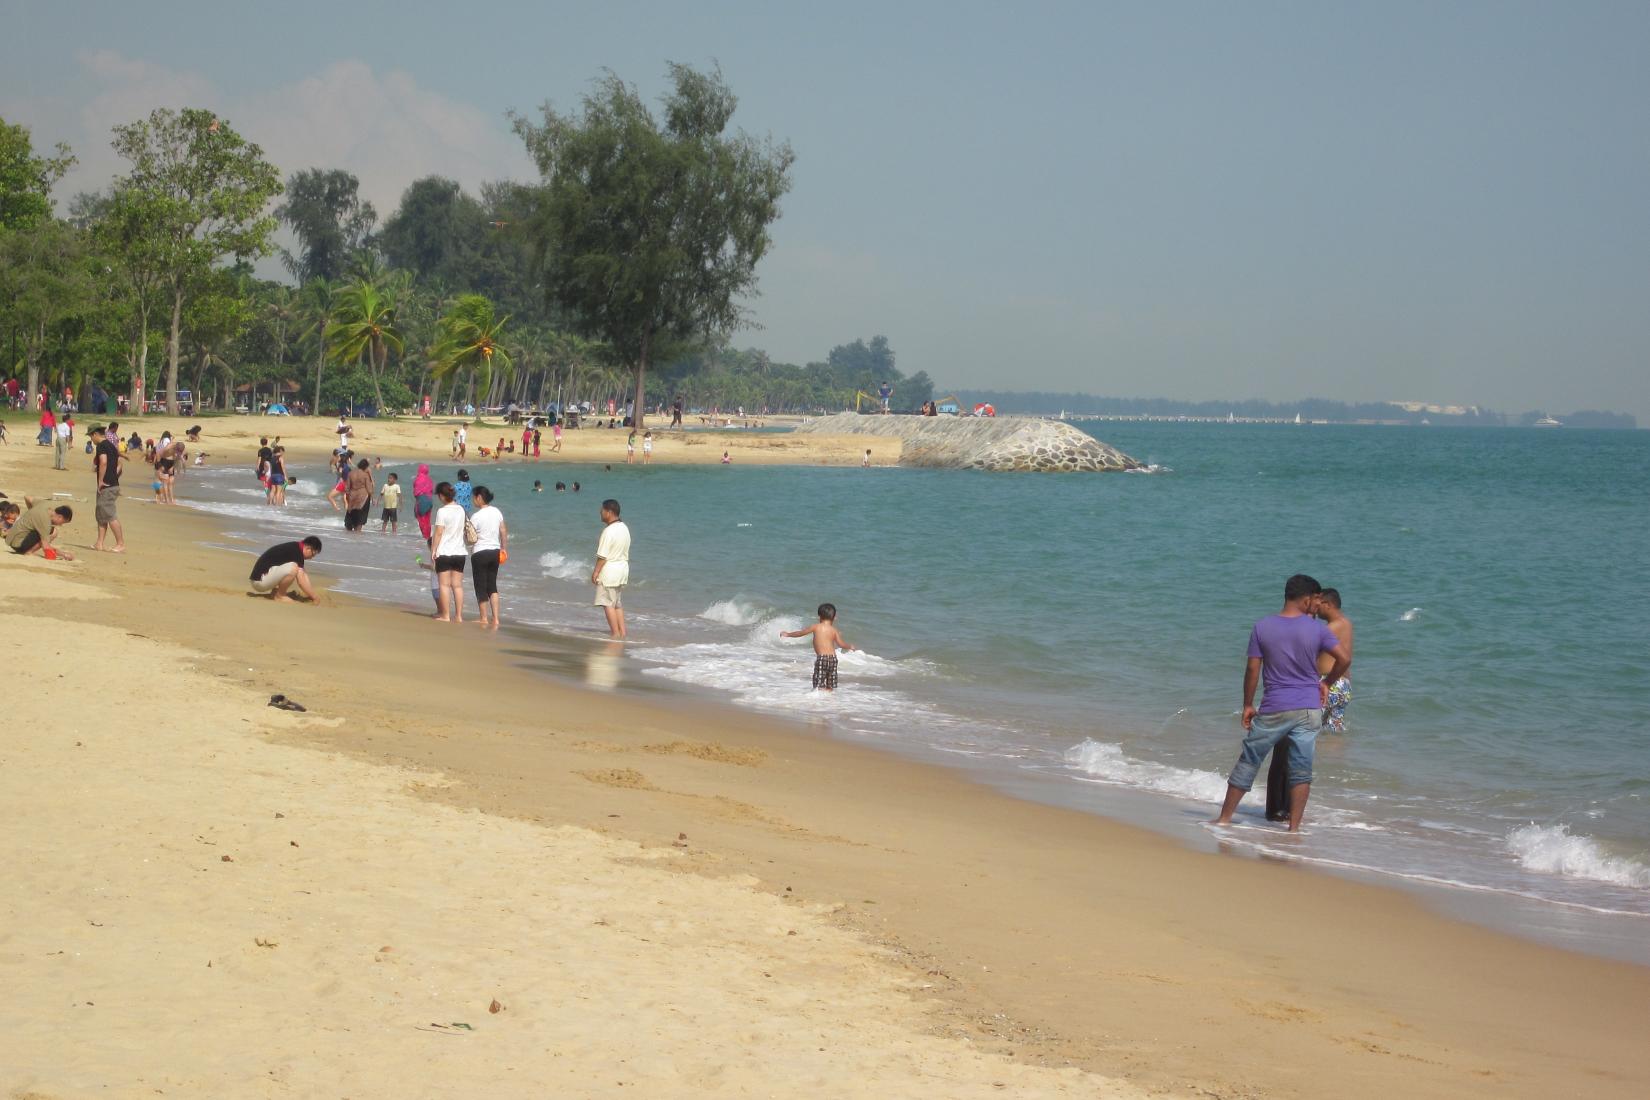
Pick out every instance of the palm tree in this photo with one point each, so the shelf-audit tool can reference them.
(317, 300)
(471, 340)
(363, 328)
(283, 311)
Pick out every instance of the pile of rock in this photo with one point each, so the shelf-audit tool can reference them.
(982, 443)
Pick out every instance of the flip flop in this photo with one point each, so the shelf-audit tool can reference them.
(283, 703)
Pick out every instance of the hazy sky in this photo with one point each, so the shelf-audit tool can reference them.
(1427, 201)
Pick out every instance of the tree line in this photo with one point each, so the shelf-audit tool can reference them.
(619, 275)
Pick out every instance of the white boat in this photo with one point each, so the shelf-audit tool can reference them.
(1549, 422)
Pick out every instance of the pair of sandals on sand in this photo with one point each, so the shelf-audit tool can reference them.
(281, 702)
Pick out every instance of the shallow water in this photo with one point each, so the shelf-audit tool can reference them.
(1078, 637)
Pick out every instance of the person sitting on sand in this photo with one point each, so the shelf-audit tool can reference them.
(281, 567)
(34, 530)
(827, 640)
(726, 459)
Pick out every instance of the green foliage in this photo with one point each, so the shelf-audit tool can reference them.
(645, 232)
(471, 341)
(26, 180)
(435, 233)
(332, 222)
(45, 280)
(363, 328)
(201, 193)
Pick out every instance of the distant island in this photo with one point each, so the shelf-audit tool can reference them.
(1312, 409)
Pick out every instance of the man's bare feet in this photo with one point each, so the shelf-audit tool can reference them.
(278, 598)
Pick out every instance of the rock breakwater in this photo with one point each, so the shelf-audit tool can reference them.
(1001, 443)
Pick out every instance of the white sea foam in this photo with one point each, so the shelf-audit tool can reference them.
(560, 566)
(1554, 850)
(734, 612)
(1411, 615)
(1108, 764)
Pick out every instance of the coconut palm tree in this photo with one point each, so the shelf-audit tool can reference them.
(364, 329)
(316, 302)
(471, 340)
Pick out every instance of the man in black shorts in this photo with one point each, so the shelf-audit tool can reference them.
(282, 566)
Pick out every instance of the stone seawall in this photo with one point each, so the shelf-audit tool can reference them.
(982, 443)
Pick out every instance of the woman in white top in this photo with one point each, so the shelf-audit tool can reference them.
(491, 546)
(447, 548)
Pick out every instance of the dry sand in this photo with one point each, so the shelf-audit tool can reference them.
(233, 439)
(623, 875)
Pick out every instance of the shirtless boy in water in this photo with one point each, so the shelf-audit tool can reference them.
(827, 640)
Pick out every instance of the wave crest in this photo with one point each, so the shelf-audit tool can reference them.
(1107, 763)
(1554, 850)
(560, 566)
(734, 612)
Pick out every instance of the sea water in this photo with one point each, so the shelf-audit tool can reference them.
(1080, 638)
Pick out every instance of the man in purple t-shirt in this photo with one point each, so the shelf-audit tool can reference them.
(1283, 650)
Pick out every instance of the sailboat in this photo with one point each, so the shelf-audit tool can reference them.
(1297, 418)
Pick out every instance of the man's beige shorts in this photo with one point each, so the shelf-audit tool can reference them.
(275, 576)
(609, 597)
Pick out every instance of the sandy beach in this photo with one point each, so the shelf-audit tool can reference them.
(212, 897)
(307, 438)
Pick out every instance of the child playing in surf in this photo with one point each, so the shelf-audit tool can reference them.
(827, 640)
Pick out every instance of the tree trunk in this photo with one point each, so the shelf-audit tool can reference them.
(172, 352)
(641, 378)
(376, 357)
(32, 355)
(320, 365)
(140, 376)
(200, 372)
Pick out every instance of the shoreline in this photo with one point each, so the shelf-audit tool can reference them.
(234, 441)
(1101, 945)
(1037, 769)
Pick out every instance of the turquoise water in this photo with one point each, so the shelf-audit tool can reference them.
(1086, 633)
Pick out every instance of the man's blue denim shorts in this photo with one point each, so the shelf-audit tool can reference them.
(1267, 732)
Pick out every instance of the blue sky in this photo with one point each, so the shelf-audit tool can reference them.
(1410, 201)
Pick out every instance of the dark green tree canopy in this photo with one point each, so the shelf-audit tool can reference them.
(436, 232)
(333, 224)
(648, 232)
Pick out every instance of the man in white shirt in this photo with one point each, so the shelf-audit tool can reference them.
(60, 443)
(612, 570)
